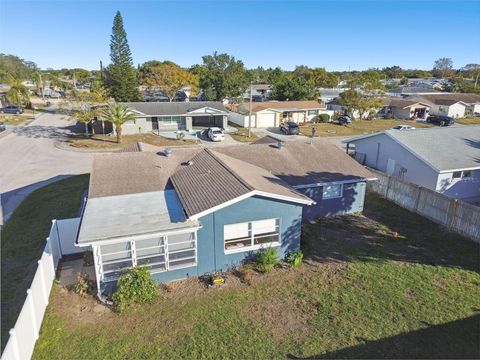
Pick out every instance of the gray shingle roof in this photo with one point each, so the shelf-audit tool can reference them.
(444, 148)
(173, 108)
(299, 162)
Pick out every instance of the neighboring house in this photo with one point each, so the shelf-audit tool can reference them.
(446, 160)
(260, 92)
(171, 116)
(328, 94)
(404, 109)
(403, 91)
(453, 104)
(202, 210)
(272, 113)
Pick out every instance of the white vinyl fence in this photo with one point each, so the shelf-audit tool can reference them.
(456, 215)
(25, 333)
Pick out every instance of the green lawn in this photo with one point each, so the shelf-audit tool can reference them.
(23, 238)
(241, 135)
(361, 293)
(357, 127)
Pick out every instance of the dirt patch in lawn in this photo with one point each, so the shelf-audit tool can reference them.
(75, 309)
(110, 142)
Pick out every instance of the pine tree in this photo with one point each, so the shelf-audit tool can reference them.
(120, 75)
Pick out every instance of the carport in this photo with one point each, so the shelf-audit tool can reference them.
(208, 121)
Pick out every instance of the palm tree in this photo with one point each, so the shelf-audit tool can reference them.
(117, 114)
(37, 79)
(18, 93)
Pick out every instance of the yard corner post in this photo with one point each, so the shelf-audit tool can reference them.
(15, 346)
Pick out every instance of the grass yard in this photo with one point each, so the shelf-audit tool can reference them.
(241, 135)
(468, 121)
(358, 127)
(361, 293)
(110, 142)
(12, 119)
(23, 239)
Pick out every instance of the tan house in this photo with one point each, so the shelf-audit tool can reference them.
(404, 109)
(272, 113)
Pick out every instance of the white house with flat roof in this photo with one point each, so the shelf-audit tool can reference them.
(446, 160)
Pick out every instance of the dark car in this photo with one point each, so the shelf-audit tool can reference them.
(12, 109)
(442, 120)
(344, 120)
(289, 128)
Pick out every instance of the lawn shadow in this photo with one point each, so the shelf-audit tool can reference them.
(387, 232)
(453, 340)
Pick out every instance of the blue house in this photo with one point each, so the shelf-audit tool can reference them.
(197, 211)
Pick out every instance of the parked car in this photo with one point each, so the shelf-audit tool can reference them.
(476, 114)
(13, 109)
(289, 128)
(216, 134)
(343, 120)
(441, 120)
(403, 127)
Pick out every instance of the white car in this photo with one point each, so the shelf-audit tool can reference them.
(216, 134)
(403, 127)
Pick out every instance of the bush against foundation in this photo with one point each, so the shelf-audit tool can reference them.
(266, 259)
(135, 285)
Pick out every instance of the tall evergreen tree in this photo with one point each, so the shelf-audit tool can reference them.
(120, 75)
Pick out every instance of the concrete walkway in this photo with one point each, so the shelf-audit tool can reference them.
(29, 159)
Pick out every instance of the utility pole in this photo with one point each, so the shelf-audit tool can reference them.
(250, 113)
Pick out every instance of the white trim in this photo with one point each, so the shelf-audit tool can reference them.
(141, 236)
(461, 169)
(246, 196)
(250, 248)
(307, 186)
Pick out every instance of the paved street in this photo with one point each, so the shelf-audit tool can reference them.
(29, 160)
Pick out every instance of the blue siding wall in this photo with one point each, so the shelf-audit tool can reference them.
(253, 208)
(210, 245)
(351, 201)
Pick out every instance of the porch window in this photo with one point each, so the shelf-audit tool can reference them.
(312, 112)
(161, 253)
(251, 235)
(332, 191)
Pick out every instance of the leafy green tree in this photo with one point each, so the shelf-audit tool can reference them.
(223, 77)
(167, 76)
(293, 87)
(121, 78)
(18, 93)
(350, 99)
(117, 114)
(38, 80)
(473, 71)
(14, 67)
(393, 72)
(443, 67)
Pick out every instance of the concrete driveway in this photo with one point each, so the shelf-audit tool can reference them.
(29, 159)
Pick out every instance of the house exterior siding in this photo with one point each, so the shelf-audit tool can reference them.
(351, 201)
(139, 126)
(455, 110)
(467, 187)
(379, 149)
(211, 256)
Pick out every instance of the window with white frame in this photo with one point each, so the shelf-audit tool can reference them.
(251, 235)
(332, 191)
(312, 112)
(161, 253)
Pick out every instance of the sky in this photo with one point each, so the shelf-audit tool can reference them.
(337, 35)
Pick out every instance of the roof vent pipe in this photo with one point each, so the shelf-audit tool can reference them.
(168, 152)
(280, 144)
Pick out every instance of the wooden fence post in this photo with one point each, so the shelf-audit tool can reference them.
(452, 212)
(387, 187)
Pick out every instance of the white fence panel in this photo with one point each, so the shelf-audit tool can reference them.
(25, 333)
(67, 230)
(238, 119)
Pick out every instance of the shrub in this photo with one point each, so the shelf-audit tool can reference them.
(266, 259)
(84, 285)
(135, 285)
(324, 118)
(294, 258)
